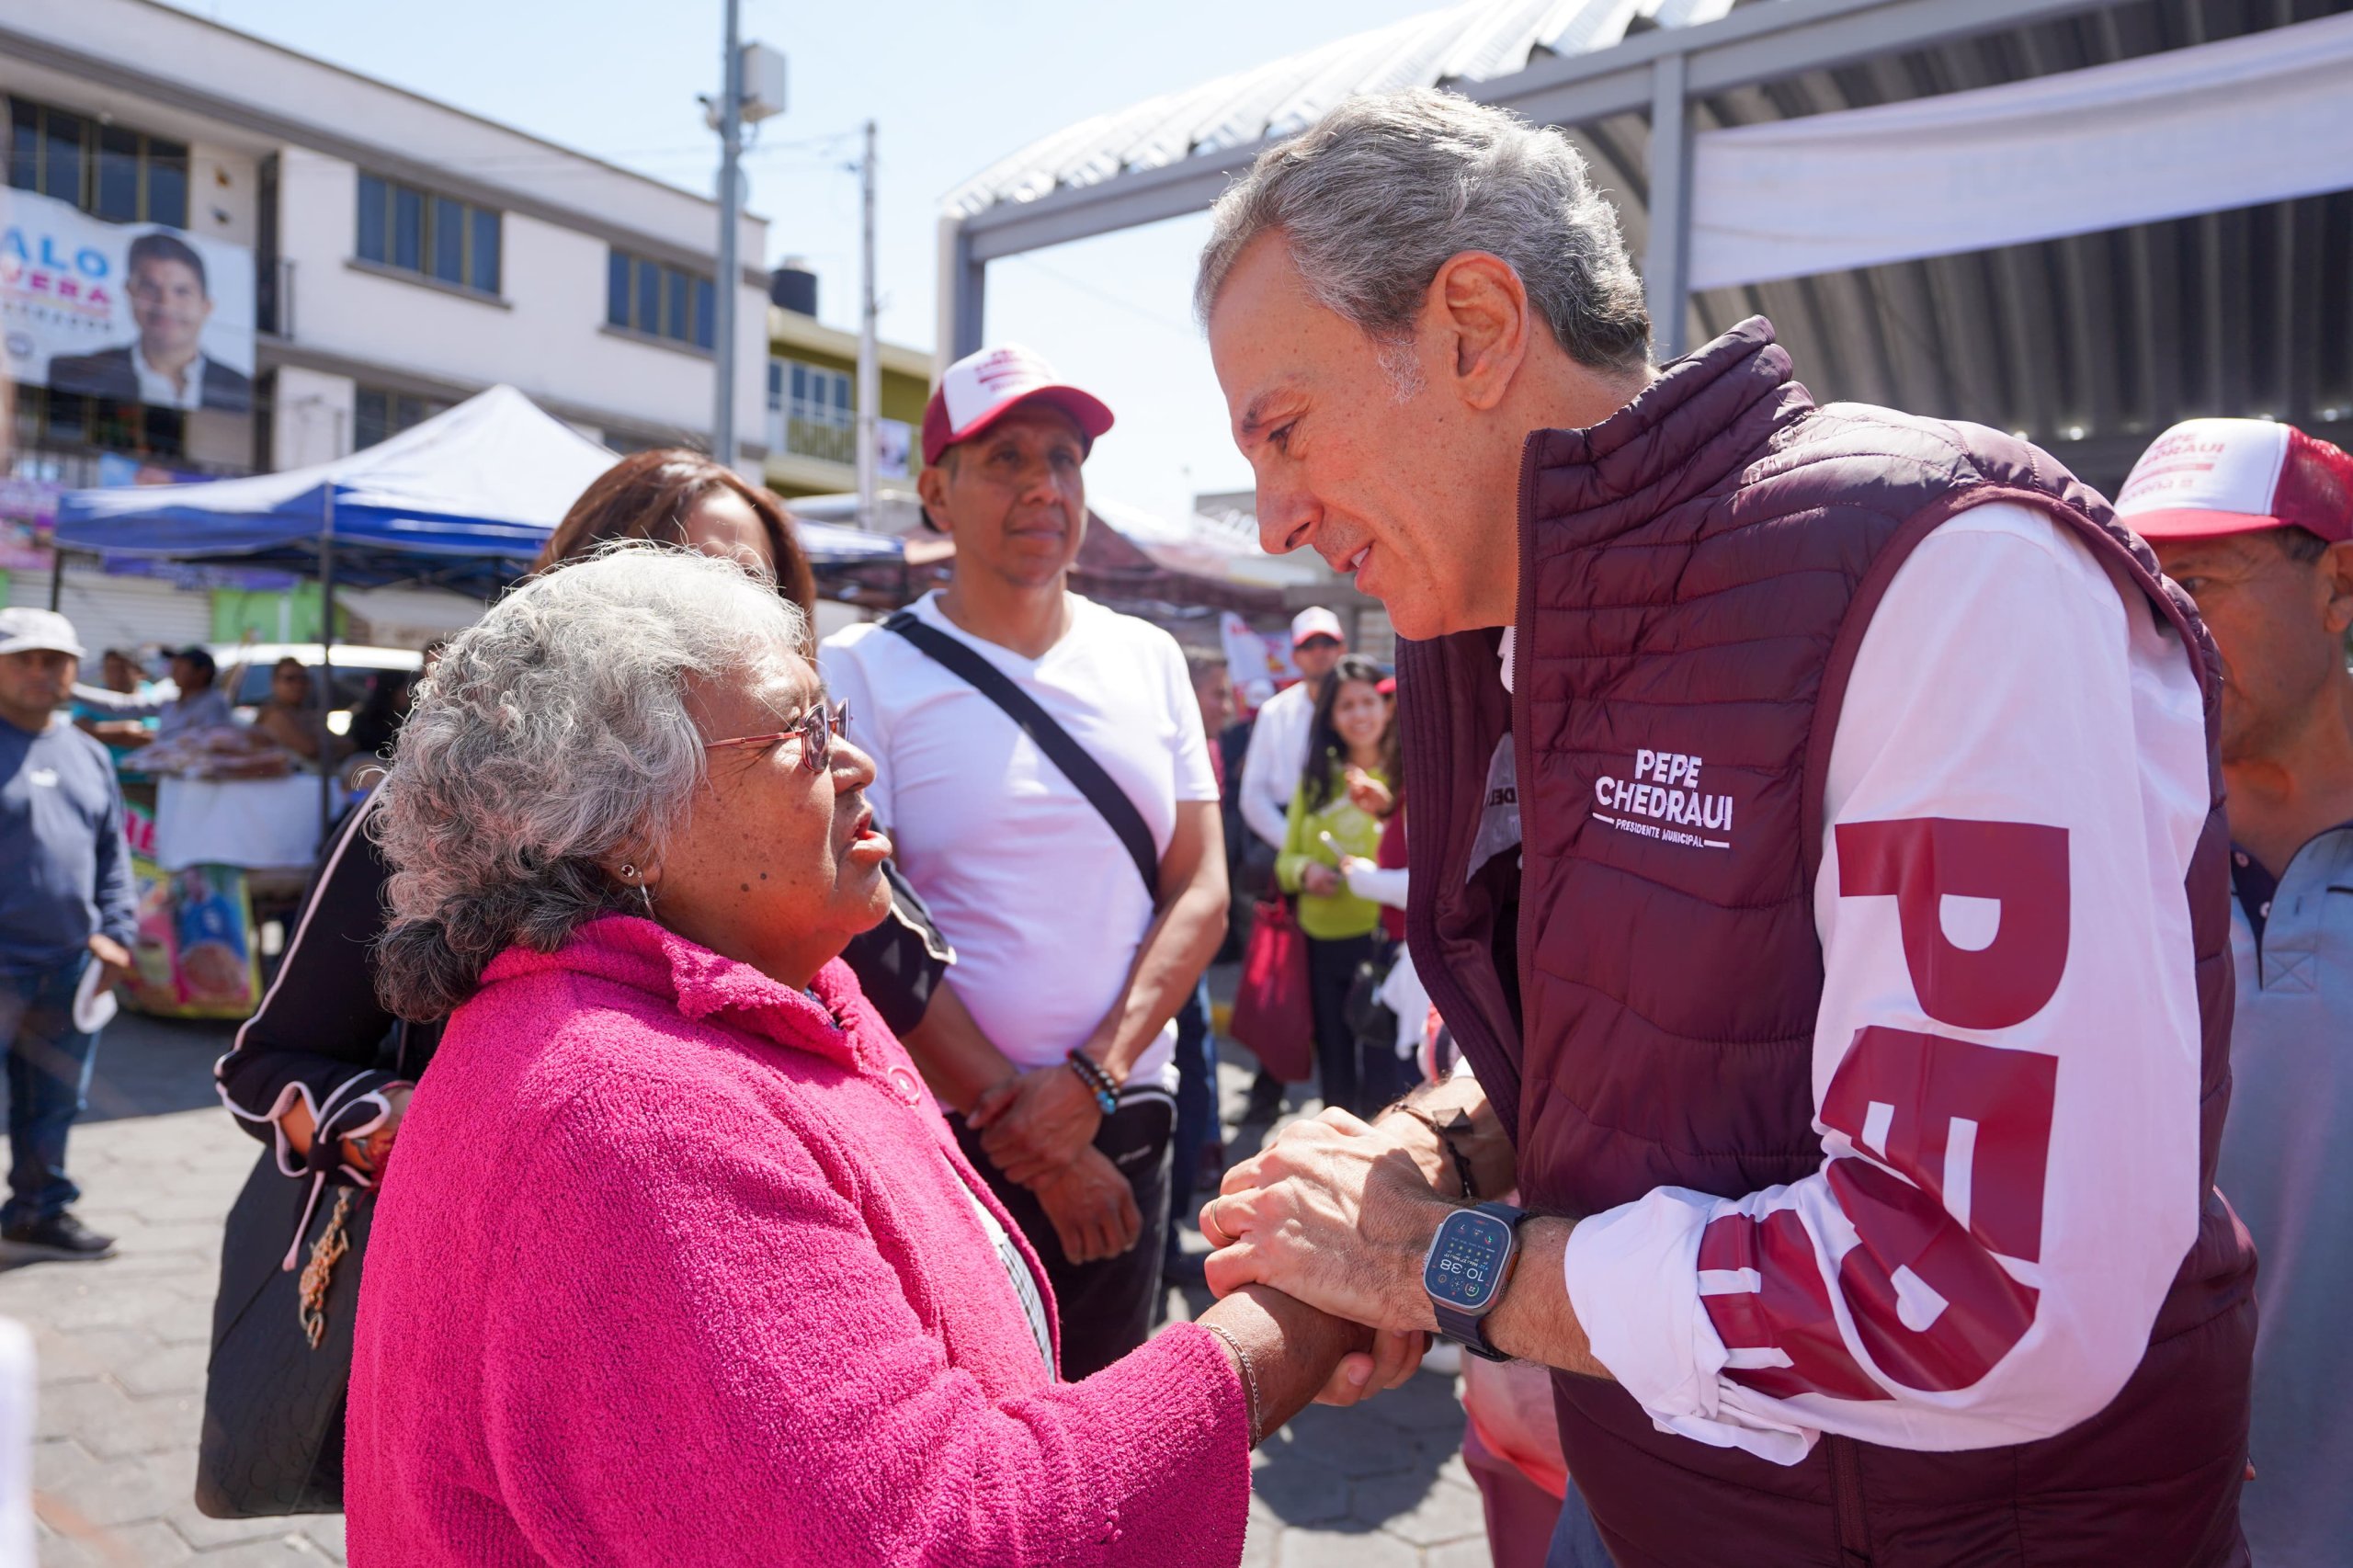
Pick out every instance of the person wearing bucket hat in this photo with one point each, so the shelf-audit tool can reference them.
(1083, 903)
(2256, 520)
(66, 907)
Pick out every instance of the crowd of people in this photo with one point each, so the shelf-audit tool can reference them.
(1867, 980)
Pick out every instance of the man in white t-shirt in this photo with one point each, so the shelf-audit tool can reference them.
(1271, 770)
(1071, 967)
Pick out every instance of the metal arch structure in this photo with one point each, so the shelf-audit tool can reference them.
(2090, 345)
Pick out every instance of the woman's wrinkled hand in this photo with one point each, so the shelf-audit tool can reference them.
(369, 1154)
(1396, 1356)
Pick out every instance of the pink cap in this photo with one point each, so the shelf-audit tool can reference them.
(979, 388)
(2205, 478)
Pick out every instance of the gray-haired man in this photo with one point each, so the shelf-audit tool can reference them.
(1850, 1013)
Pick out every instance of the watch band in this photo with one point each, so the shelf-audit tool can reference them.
(1470, 1329)
(1470, 1333)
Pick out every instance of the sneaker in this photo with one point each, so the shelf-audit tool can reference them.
(60, 1236)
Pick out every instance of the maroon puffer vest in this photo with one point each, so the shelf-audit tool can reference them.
(1696, 574)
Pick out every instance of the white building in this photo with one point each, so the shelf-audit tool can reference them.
(406, 254)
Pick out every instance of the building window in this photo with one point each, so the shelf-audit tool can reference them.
(378, 414)
(438, 236)
(52, 421)
(659, 299)
(810, 411)
(107, 171)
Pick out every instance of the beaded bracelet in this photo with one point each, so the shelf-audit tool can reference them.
(1099, 1083)
(1249, 1378)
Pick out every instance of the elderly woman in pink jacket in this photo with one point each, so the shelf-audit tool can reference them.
(677, 1261)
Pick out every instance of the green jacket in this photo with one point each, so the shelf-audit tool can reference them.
(1343, 913)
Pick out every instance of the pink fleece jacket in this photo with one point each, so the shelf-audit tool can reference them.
(671, 1266)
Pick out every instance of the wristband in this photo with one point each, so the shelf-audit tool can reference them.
(1099, 1083)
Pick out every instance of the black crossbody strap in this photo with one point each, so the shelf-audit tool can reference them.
(1080, 769)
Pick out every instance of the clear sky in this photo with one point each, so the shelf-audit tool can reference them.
(953, 87)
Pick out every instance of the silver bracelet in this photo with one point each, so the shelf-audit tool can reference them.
(1249, 1378)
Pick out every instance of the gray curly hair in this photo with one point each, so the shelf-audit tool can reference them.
(1375, 197)
(553, 736)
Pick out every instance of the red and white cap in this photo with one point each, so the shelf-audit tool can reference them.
(2205, 478)
(1315, 621)
(979, 388)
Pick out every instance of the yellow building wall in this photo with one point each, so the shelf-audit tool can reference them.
(903, 397)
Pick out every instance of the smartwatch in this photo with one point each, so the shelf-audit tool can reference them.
(1469, 1264)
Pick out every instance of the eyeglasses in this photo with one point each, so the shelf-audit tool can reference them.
(816, 732)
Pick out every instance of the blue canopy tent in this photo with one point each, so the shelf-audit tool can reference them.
(464, 500)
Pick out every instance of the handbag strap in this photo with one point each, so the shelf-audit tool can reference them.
(1104, 795)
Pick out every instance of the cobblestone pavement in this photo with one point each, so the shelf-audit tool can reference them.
(122, 1347)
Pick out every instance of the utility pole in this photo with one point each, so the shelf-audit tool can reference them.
(870, 366)
(731, 144)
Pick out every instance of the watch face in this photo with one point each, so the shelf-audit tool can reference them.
(1466, 1261)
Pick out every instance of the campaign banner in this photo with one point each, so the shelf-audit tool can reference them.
(194, 953)
(895, 446)
(28, 513)
(138, 313)
(1255, 655)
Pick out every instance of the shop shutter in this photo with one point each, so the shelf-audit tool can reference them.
(127, 612)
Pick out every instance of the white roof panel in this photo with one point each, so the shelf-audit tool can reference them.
(1476, 41)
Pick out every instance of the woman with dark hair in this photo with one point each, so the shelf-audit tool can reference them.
(1344, 792)
(377, 723)
(681, 497)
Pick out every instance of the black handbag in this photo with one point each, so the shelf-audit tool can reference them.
(279, 1374)
(272, 1441)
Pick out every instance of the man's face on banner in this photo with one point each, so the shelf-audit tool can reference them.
(168, 302)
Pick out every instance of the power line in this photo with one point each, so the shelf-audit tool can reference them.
(1143, 312)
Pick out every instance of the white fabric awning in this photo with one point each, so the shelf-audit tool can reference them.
(2262, 117)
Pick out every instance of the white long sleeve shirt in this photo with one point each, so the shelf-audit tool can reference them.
(1276, 758)
(2006, 1062)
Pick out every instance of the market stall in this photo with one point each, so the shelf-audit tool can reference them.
(463, 501)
